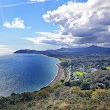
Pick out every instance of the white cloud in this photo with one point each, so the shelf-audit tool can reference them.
(38, 0)
(28, 27)
(12, 5)
(22, 3)
(52, 38)
(89, 21)
(4, 49)
(16, 23)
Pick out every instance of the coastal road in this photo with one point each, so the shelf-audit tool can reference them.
(68, 75)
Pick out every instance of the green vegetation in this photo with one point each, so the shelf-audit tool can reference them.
(85, 85)
(61, 98)
(108, 67)
(64, 59)
(60, 82)
(79, 73)
(96, 80)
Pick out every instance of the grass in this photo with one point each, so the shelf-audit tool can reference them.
(60, 82)
(63, 105)
(79, 73)
(108, 67)
(56, 85)
(64, 59)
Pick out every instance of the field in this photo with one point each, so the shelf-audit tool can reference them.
(108, 67)
(79, 73)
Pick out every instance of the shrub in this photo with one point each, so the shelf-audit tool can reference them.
(85, 86)
(67, 84)
(28, 96)
(42, 94)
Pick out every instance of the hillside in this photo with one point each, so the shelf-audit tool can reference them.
(69, 51)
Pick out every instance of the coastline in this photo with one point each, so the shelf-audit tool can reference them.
(59, 75)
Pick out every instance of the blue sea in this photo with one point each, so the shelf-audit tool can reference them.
(26, 72)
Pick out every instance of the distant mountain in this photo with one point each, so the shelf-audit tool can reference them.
(85, 50)
(69, 51)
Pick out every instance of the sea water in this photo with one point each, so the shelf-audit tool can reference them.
(26, 72)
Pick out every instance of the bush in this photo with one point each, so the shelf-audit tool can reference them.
(67, 84)
(101, 95)
(28, 96)
(42, 94)
(85, 86)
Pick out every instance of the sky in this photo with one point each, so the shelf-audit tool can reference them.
(52, 24)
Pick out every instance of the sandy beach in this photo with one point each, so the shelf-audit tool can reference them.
(59, 75)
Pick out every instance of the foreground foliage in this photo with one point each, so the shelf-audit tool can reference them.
(61, 98)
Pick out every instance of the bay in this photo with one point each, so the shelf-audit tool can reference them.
(26, 72)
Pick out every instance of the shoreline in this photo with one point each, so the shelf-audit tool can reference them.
(59, 75)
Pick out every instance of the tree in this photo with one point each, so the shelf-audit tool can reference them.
(68, 84)
(85, 86)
